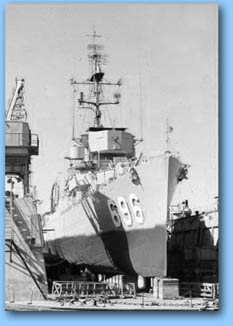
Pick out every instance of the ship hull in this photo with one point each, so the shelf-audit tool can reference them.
(121, 226)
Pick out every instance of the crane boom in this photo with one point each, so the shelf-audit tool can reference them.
(16, 110)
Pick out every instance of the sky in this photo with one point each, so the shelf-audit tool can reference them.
(167, 58)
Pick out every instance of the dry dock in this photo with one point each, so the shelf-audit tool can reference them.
(143, 302)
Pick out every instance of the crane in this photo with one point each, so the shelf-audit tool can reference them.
(16, 110)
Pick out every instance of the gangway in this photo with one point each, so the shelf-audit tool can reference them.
(75, 290)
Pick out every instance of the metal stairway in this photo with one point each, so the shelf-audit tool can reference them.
(24, 259)
(8, 224)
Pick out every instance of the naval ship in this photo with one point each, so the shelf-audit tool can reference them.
(111, 214)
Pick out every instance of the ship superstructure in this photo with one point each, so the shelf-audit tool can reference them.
(111, 214)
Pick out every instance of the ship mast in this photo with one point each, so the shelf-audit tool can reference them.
(96, 81)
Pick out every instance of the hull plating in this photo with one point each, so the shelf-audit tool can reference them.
(86, 233)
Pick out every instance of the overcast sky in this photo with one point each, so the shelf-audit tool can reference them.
(167, 57)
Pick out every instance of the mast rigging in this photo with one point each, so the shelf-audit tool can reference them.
(96, 81)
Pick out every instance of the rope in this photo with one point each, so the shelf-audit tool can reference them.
(56, 264)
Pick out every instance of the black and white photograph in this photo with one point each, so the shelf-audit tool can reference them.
(111, 156)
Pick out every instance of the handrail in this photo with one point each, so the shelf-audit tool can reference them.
(29, 270)
(30, 222)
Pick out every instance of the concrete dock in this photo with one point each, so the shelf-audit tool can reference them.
(143, 302)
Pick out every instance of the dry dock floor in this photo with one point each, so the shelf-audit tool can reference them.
(144, 302)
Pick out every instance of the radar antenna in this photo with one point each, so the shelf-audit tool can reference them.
(96, 81)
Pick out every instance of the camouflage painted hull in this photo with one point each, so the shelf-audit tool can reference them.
(121, 226)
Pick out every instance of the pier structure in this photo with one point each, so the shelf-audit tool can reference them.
(25, 276)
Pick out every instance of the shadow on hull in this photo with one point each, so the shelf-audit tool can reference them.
(146, 256)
